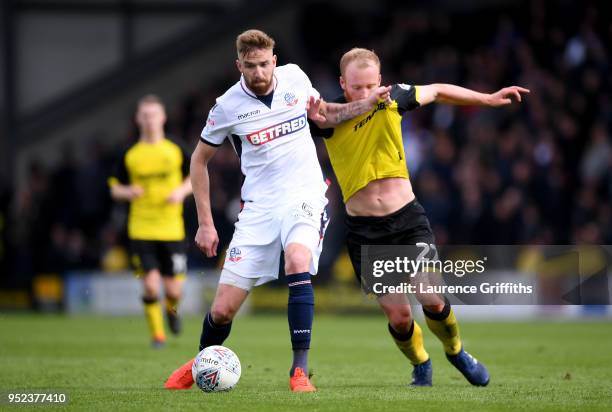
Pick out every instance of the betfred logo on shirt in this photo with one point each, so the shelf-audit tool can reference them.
(278, 130)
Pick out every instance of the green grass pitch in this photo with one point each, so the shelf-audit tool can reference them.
(106, 364)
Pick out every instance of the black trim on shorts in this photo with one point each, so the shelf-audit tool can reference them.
(208, 142)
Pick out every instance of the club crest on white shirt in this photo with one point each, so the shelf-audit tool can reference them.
(290, 99)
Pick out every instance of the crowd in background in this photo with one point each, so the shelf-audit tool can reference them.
(539, 172)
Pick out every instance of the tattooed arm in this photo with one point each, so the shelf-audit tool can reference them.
(327, 115)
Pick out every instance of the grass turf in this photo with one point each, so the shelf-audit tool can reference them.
(104, 363)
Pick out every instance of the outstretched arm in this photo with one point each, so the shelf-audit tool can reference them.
(206, 238)
(327, 115)
(451, 94)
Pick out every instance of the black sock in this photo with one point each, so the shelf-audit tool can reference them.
(439, 316)
(402, 336)
(148, 301)
(213, 334)
(300, 313)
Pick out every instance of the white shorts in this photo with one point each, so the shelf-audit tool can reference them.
(261, 234)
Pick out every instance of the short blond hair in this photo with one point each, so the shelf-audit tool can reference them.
(253, 39)
(150, 99)
(365, 57)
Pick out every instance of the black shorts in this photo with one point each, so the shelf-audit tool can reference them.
(168, 257)
(407, 226)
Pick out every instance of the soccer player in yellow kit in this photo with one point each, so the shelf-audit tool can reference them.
(153, 176)
(367, 155)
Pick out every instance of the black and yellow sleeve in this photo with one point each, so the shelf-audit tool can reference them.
(406, 97)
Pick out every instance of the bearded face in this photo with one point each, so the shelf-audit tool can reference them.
(257, 67)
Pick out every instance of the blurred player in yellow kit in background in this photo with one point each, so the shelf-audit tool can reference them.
(153, 176)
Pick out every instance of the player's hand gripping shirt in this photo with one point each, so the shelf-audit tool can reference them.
(370, 147)
(276, 150)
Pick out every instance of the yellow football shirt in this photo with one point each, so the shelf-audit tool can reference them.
(370, 147)
(159, 168)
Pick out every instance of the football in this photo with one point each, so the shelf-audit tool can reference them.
(216, 369)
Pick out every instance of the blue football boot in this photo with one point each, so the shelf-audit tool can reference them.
(422, 373)
(475, 372)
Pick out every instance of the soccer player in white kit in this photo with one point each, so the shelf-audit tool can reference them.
(265, 117)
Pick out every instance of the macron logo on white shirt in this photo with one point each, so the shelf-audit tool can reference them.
(278, 130)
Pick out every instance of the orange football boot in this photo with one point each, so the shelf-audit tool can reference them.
(299, 382)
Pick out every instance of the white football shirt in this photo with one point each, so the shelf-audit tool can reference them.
(277, 154)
